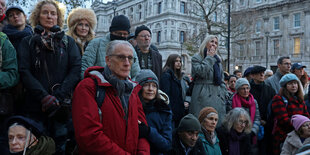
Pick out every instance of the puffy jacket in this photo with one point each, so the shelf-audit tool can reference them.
(63, 67)
(8, 63)
(112, 135)
(95, 53)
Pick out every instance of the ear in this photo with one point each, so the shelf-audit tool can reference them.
(108, 60)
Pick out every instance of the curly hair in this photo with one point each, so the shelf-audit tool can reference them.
(232, 118)
(35, 14)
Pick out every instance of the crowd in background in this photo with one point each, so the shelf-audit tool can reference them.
(75, 93)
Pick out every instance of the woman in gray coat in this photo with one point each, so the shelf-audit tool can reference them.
(209, 87)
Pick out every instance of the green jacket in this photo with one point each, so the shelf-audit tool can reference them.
(209, 148)
(8, 63)
(95, 53)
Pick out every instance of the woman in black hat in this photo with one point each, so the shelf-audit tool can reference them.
(26, 137)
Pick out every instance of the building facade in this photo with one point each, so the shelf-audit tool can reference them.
(272, 28)
(172, 22)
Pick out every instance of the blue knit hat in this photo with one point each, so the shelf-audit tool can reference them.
(287, 78)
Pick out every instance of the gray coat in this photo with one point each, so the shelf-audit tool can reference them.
(274, 81)
(205, 93)
(292, 144)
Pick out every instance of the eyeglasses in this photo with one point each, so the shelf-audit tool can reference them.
(145, 36)
(241, 122)
(123, 58)
(149, 85)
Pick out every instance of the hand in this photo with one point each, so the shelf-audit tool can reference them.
(186, 105)
(143, 130)
(211, 51)
(49, 101)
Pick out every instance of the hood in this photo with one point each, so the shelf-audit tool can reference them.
(163, 96)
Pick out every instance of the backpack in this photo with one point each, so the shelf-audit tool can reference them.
(100, 95)
(270, 115)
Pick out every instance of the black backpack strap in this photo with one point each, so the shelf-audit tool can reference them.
(100, 94)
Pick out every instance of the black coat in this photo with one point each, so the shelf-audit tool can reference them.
(64, 67)
(177, 148)
(224, 137)
(171, 85)
(263, 94)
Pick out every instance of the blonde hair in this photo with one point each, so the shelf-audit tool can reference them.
(207, 39)
(35, 15)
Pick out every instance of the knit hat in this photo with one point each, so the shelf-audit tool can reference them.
(240, 82)
(257, 69)
(298, 120)
(34, 127)
(141, 28)
(287, 78)
(14, 7)
(189, 123)
(120, 22)
(205, 112)
(146, 75)
(247, 71)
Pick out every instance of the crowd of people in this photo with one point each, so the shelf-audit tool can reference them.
(75, 93)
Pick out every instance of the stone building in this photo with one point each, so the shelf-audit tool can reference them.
(271, 29)
(172, 22)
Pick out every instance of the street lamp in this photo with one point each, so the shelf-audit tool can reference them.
(228, 36)
(267, 35)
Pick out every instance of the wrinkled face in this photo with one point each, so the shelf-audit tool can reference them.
(285, 67)
(209, 123)
(177, 63)
(82, 28)
(213, 43)
(149, 91)
(2, 7)
(232, 82)
(244, 91)
(16, 18)
(144, 39)
(292, 87)
(120, 61)
(189, 138)
(17, 138)
(240, 125)
(48, 16)
(299, 72)
(305, 130)
(258, 77)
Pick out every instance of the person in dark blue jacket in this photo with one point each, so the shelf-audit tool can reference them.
(175, 87)
(157, 112)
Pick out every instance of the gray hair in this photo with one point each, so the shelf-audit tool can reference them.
(29, 136)
(113, 44)
(268, 71)
(233, 117)
(205, 42)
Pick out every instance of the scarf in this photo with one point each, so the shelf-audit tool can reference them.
(114, 37)
(16, 35)
(123, 88)
(239, 101)
(234, 146)
(2, 18)
(217, 76)
(210, 137)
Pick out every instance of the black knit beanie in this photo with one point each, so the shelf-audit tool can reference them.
(120, 22)
(141, 28)
(189, 123)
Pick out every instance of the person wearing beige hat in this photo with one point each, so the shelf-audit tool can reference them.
(82, 23)
(208, 118)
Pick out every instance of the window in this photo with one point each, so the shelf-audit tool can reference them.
(297, 20)
(241, 2)
(297, 45)
(258, 26)
(276, 47)
(241, 54)
(241, 28)
(258, 1)
(215, 17)
(182, 36)
(158, 37)
(140, 15)
(182, 7)
(276, 23)
(257, 48)
(159, 8)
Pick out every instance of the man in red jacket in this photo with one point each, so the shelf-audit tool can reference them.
(113, 128)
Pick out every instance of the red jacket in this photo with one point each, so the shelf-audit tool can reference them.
(113, 135)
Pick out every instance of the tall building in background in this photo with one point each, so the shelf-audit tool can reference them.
(271, 29)
(172, 23)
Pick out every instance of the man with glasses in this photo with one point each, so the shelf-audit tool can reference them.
(111, 128)
(149, 58)
(95, 51)
(17, 28)
(284, 66)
